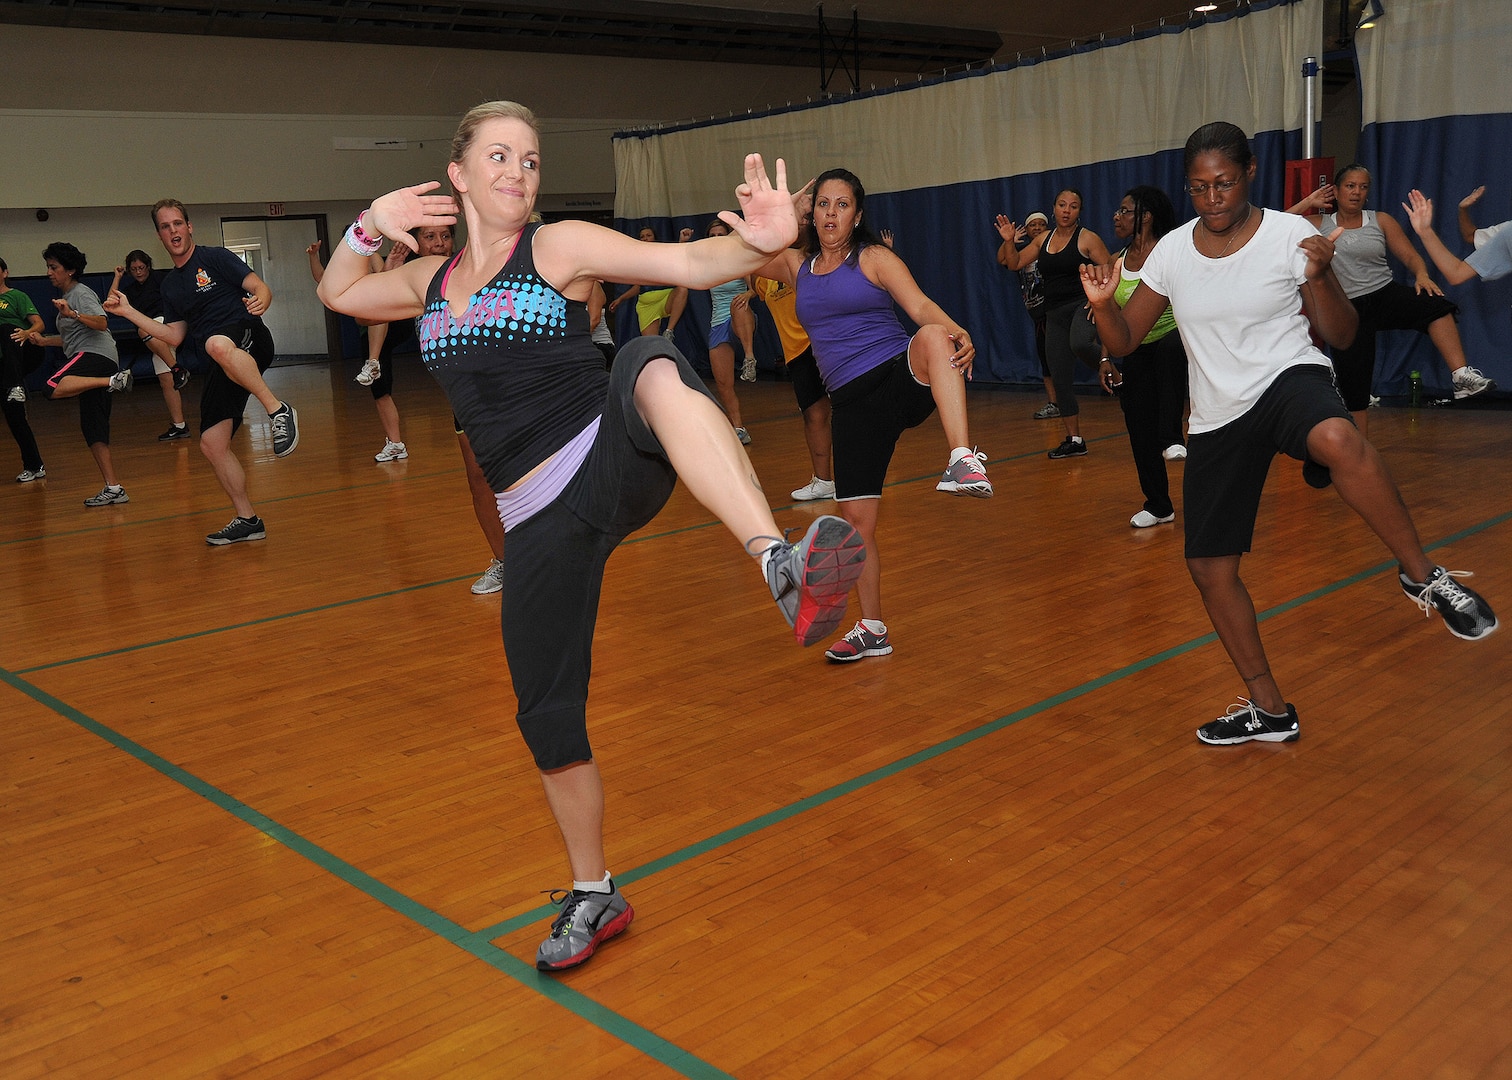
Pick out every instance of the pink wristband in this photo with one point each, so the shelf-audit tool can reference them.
(359, 241)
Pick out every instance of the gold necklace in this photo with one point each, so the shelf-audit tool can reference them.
(1234, 231)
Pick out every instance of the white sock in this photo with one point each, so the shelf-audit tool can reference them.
(875, 626)
(766, 557)
(1076, 438)
(958, 453)
(605, 886)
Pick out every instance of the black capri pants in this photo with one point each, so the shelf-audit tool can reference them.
(1392, 307)
(554, 562)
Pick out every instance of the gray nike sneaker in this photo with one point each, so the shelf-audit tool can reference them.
(587, 920)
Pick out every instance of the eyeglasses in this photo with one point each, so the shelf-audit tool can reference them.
(1222, 187)
(1123, 211)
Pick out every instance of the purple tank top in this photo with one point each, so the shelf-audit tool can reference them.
(850, 322)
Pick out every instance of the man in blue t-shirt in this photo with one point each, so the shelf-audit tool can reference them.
(213, 295)
(1491, 259)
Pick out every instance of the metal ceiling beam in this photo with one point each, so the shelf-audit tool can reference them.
(631, 28)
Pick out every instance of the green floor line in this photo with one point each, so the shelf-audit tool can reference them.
(627, 1031)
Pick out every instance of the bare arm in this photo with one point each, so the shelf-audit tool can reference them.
(886, 270)
(1013, 257)
(1092, 247)
(595, 304)
(317, 268)
(349, 285)
(1311, 206)
(1420, 213)
(1120, 329)
(260, 296)
(1466, 222)
(1399, 245)
(1328, 309)
(783, 267)
(173, 333)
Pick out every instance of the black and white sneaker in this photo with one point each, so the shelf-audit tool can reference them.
(1070, 446)
(177, 431)
(1465, 614)
(285, 423)
(1247, 722)
(238, 530)
(180, 376)
(109, 496)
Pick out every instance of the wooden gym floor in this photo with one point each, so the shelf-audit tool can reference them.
(264, 811)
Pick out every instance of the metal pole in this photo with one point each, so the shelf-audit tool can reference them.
(1310, 74)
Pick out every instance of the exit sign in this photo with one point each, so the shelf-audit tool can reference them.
(275, 209)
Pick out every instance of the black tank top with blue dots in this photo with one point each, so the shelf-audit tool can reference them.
(519, 368)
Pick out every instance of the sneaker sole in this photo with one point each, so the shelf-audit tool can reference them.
(836, 556)
(611, 929)
(221, 541)
(975, 491)
(862, 655)
(1464, 395)
(1267, 736)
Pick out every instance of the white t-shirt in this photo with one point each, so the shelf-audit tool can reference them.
(1492, 259)
(1486, 235)
(1240, 316)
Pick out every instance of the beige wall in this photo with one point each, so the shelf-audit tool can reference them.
(97, 125)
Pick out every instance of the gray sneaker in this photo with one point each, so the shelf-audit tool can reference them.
(967, 477)
(1469, 382)
(492, 580)
(108, 497)
(587, 920)
(1048, 411)
(121, 382)
(238, 530)
(811, 580)
(285, 423)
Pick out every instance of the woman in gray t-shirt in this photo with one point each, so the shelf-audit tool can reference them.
(90, 370)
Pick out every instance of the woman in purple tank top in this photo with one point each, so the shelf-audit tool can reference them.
(881, 382)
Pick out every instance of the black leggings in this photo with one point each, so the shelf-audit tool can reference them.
(1066, 342)
(16, 362)
(1153, 399)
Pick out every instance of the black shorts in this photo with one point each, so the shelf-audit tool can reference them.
(223, 399)
(399, 332)
(808, 387)
(871, 412)
(554, 562)
(1226, 468)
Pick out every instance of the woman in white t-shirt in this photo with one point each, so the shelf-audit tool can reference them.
(1246, 285)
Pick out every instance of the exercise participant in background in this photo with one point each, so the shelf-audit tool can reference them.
(881, 382)
(381, 369)
(1151, 380)
(1246, 285)
(579, 457)
(1061, 253)
(1382, 303)
(1032, 288)
(1491, 259)
(91, 371)
(142, 286)
(19, 357)
(215, 296)
(656, 306)
(722, 340)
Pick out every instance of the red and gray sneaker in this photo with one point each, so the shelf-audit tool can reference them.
(586, 921)
(857, 645)
(967, 476)
(812, 579)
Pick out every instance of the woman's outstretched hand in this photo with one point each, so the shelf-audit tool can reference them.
(766, 220)
(396, 213)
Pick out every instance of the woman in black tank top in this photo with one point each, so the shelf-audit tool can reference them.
(1061, 253)
(579, 457)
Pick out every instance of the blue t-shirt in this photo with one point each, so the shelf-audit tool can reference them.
(206, 292)
(1493, 259)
